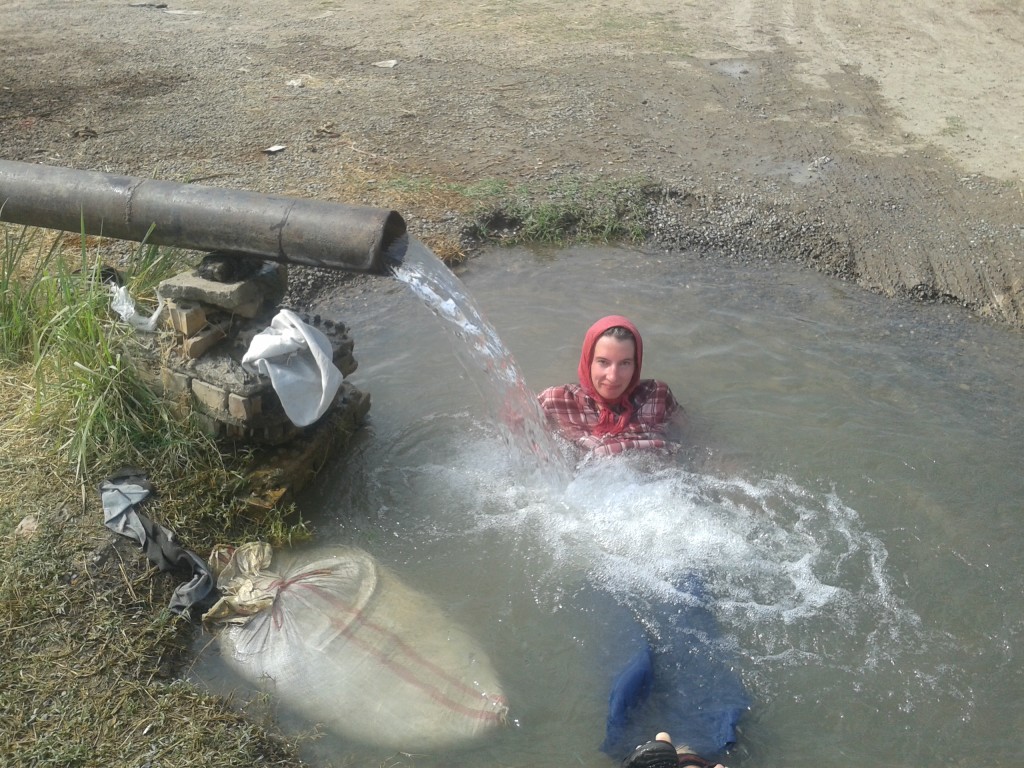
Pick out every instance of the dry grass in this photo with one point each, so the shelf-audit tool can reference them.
(89, 655)
(23, 450)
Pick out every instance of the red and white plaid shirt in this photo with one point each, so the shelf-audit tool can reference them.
(575, 414)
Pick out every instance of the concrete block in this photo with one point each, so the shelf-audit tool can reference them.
(356, 402)
(342, 344)
(191, 287)
(249, 310)
(346, 364)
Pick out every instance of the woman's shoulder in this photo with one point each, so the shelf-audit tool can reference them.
(652, 396)
(648, 387)
(566, 401)
(561, 392)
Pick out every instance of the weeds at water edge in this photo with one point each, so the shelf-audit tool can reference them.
(571, 211)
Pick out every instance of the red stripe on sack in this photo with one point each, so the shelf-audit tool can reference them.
(407, 673)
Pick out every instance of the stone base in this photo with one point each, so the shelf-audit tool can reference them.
(195, 361)
(281, 472)
(230, 401)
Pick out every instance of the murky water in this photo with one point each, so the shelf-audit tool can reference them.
(851, 495)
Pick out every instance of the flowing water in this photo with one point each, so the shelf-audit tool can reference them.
(850, 492)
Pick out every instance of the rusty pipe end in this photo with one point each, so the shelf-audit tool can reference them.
(394, 242)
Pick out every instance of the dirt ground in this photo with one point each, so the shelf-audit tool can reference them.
(879, 142)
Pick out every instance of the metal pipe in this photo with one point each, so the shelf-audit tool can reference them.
(286, 229)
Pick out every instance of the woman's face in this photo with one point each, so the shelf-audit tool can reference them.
(613, 365)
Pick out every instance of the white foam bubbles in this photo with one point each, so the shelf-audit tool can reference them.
(790, 571)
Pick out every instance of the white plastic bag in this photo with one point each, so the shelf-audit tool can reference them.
(122, 302)
(336, 637)
(299, 361)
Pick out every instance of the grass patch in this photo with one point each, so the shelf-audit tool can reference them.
(88, 665)
(81, 388)
(76, 401)
(955, 126)
(571, 211)
(452, 217)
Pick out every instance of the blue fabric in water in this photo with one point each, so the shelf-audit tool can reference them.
(631, 686)
(676, 676)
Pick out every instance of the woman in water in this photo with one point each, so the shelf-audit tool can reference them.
(612, 409)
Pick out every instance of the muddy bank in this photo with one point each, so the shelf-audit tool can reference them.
(879, 145)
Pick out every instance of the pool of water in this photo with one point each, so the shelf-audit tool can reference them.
(850, 492)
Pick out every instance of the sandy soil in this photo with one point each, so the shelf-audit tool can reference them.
(879, 142)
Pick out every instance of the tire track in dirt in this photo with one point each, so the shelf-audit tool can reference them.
(835, 142)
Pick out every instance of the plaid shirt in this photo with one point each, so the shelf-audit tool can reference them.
(575, 414)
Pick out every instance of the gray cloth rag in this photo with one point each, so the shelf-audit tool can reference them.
(121, 494)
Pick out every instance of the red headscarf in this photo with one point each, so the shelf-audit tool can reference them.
(610, 423)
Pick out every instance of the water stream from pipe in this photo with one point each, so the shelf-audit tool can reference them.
(490, 366)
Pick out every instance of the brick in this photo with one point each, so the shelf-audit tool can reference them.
(209, 425)
(244, 408)
(267, 500)
(235, 432)
(174, 383)
(150, 375)
(200, 344)
(186, 318)
(210, 397)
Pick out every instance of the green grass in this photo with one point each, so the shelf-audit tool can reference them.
(570, 211)
(88, 395)
(80, 398)
(484, 189)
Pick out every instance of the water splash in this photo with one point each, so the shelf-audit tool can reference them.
(490, 366)
(796, 577)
